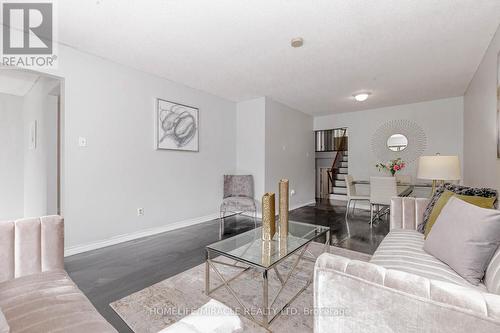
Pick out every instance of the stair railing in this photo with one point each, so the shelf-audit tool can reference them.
(338, 158)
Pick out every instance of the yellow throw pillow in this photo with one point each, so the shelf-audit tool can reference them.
(443, 200)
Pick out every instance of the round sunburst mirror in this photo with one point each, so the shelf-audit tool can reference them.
(397, 142)
(399, 138)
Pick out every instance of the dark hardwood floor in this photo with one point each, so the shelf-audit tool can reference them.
(355, 235)
(108, 274)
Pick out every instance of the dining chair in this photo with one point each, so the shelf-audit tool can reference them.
(403, 179)
(352, 195)
(382, 189)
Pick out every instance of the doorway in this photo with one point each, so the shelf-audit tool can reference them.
(30, 144)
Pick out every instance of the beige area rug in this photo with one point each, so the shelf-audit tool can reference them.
(162, 304)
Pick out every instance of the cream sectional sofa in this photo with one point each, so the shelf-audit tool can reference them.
(36, 294)
(402, 288)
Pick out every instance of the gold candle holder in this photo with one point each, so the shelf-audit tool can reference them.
(266, 252)
(268, 216)
(283, 208)
(283, 246)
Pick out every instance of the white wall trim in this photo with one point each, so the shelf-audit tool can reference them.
(69, 251)
(307, 203)
(72, 250)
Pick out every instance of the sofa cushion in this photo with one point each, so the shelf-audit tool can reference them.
(49, 302)
(401, 302)
(4, 326)
(458, 189)
(465, 237)
(403, 250)
(213, 317)
(492, 275)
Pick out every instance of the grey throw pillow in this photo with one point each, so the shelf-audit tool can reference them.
(465, 237)
(458, 189)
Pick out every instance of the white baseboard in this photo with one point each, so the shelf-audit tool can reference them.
(303, 204)
(71, 250)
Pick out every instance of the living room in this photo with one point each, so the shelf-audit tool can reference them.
(152, 153)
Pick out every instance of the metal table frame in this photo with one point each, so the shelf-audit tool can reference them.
(267, 316)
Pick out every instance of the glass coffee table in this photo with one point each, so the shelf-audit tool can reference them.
(248, 251)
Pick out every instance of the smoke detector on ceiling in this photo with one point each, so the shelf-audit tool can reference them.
(297, 42)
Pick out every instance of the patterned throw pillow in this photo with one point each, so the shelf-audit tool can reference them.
(458, 189)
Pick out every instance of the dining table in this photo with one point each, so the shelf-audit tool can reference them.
(403, 190)
(406, 189)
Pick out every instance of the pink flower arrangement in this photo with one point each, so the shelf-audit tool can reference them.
(393, 166)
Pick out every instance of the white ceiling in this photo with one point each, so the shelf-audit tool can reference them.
(16, 82)
(402, 51)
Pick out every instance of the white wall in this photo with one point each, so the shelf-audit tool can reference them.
(250, 142)
(50, 138)
(481, 165)
(11, 158)
(290, 151)
(441, 120)
(40, 183)
(119, 171)
(275, 141)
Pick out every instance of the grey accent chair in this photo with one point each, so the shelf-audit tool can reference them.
(238, 198)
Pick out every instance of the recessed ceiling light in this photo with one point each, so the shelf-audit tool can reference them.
(297, 42)
(361, 97)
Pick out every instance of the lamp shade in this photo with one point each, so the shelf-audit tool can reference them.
(439, 167)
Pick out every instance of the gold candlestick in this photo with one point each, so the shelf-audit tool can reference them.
(268, 216)
(283, 208)
(266, 252)
(283, 246)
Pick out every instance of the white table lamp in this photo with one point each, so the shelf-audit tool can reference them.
(439, 169)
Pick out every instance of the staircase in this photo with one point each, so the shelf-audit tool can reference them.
(338, 171)
(331, 147)
(338, 189)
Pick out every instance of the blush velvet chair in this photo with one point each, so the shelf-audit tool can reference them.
(36, 294)
(238, 198)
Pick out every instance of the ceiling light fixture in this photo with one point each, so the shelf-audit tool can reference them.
(361, 97)
(297, 42)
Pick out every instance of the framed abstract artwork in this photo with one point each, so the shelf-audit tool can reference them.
(177, 126)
